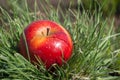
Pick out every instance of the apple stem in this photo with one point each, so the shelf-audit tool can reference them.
(48, 29)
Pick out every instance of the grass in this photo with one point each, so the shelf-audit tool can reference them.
(94, 55)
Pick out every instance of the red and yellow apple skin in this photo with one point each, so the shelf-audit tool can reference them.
(48, 41)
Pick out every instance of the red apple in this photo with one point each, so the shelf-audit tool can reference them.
(48, 41)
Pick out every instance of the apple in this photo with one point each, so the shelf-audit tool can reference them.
(46, 41)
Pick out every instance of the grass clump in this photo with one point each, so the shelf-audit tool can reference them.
(93, 56)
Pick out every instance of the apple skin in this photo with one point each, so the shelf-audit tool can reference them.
(48, 41)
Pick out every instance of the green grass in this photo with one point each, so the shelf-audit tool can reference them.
(94, 55)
